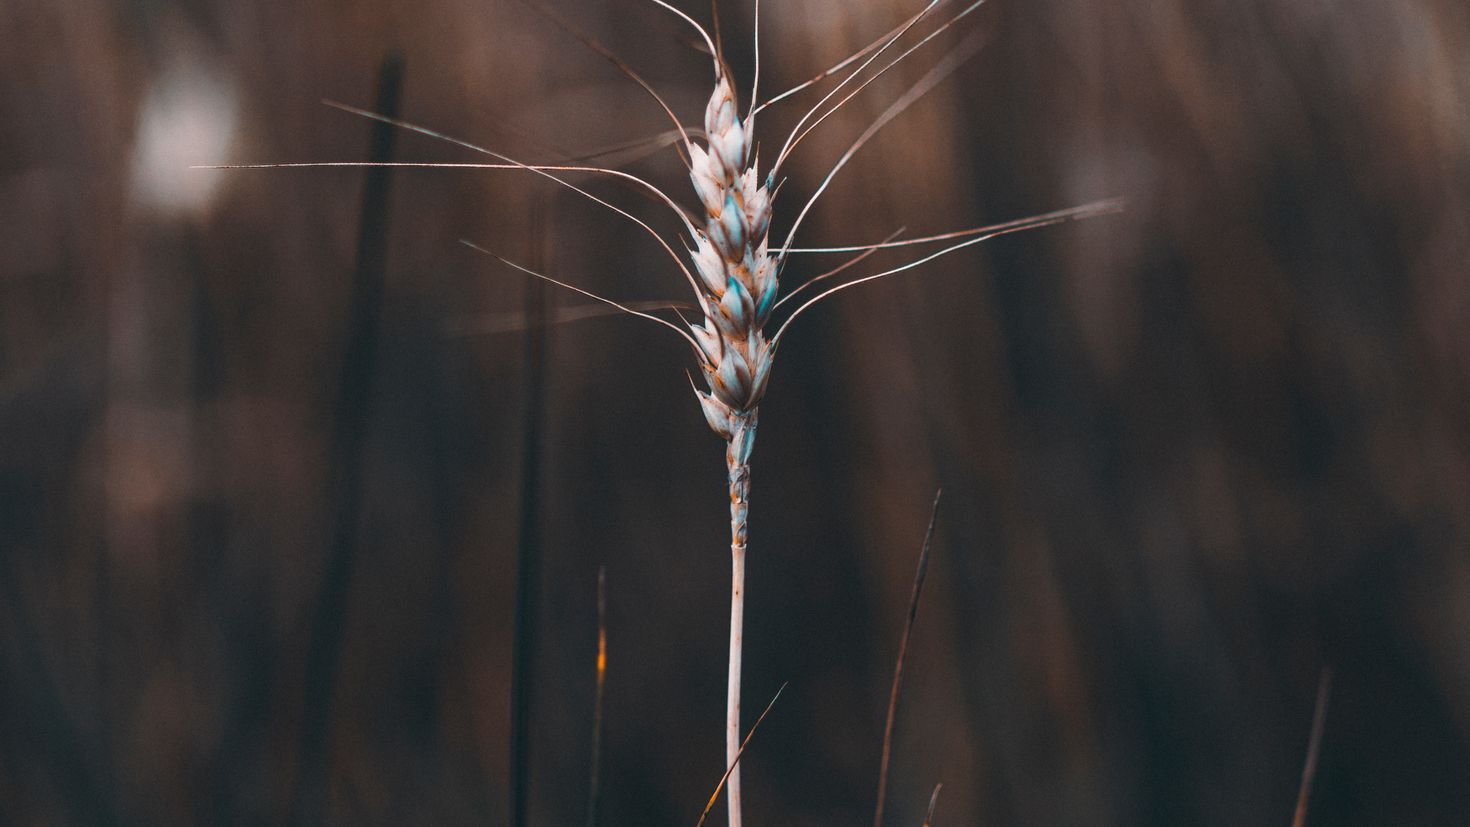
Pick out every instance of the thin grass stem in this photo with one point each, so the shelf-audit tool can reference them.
(737, 460)
(731, 768)
(594, 781)
(310, 798)
(903, 650)
(1314, 748)
(526, 615)
(933, 802)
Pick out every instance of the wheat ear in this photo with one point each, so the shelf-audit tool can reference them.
(737, 292)
(735, 273)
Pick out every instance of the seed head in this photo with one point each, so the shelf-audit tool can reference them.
(736, 270)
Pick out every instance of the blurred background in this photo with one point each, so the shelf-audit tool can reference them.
(264, 486)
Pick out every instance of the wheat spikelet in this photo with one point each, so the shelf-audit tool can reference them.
(736, 271)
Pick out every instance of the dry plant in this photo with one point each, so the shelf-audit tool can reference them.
(736, 273)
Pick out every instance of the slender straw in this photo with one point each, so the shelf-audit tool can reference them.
(309, 803)
(526, 616)
(594, 784)
(1314, 748)
(715, 796)
(737, 458)
(903, 650)
(933, 802)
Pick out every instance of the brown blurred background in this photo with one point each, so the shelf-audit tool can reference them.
(1191, 453)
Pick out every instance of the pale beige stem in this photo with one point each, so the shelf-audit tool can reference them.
(732, 704)
(737, 461)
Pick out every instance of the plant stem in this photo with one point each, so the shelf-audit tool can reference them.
(311, 796)
(737, 462)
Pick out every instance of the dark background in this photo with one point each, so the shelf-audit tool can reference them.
(1191, 453)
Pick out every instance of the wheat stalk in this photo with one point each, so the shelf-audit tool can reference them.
(739, 283)
(738, 289)
(736, 273)
(738, 279)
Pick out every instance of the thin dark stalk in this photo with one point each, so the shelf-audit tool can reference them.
(715, 796)
(933, 802)
(45, 737)
(354, 396)
(208, 518)
(903, 650)
(528, 547)
(1314, 747)
(594, 784)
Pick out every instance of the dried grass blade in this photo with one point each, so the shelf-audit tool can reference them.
(715, 796)
(933, 802)
(311, 795)
(525, 620)
(594, 782)
(1314, 748)
(920, 571)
